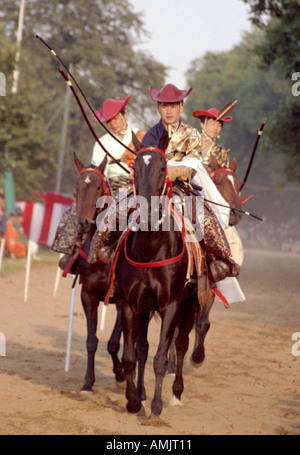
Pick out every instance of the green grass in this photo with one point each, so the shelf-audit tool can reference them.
(46, 256)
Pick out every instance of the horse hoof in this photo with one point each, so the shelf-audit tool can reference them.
(196, 364)
(170, 375)
(86, 389)
(133, 407)
(142, 411)
(153, 417)
(121, 384)
(175, 402)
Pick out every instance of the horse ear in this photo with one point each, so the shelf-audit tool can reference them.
(164, 141)
(79, 164)
(233, 164)
(214, 163)
(102, 165)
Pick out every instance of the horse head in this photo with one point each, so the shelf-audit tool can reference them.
(89, 186)
(228, 185)
(149, 168)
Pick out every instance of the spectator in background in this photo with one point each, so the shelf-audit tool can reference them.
(15, 239)
(3, 218)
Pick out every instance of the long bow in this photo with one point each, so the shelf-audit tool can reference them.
(88, 122)
(253, 153)
(83, 95)
(196, 193)
(225, 110)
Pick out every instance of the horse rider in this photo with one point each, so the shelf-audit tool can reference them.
(184, 148)
(210, 131)
(113, 114)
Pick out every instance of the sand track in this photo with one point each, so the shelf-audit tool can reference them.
(248, 384)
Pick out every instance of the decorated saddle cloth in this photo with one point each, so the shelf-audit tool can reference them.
(196, 257)
(67, 234)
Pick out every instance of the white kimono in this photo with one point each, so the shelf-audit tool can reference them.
(229, 287)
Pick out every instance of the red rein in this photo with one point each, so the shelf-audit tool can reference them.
(225, 169)
(167, 183)
(92, 169)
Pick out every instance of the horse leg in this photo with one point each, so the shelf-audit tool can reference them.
(202, 327)
(186, 323)
(172, 355)
(113, 347)
(160, 363)
(90, 303)
(142, 348)
(130, 322)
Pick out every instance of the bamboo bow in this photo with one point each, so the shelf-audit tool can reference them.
(225, 110)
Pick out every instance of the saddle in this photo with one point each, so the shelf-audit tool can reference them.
(196, 259)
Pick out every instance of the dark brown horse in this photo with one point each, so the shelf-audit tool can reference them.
(90, 186)
(151, 276)
(228, 185)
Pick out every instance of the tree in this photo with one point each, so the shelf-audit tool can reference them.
(220, 78)
(280, 22)
(23, 144)
(99, 38)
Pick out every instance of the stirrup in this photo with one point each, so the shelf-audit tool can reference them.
(105, 254)
(219, 270)
(64, 261)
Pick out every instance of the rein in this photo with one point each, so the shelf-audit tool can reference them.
(160, 263)
(222, 169)
(167, 183)
(230, 171)
(96, 171)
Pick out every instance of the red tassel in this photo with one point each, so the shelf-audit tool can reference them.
(245, 199)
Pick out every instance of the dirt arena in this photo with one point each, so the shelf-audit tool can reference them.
(249, 383)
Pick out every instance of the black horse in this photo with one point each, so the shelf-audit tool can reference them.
(90, 186)
(151, 276)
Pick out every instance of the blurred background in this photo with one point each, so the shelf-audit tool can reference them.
(225, 49)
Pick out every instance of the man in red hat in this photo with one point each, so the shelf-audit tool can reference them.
(211, 130)
(184, 149)
(183, 139)
(113, 114)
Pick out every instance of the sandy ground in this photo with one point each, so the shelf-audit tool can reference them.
(249, 383)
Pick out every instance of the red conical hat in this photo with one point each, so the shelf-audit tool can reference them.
(211, 113)
(168, 94)
(111, 108)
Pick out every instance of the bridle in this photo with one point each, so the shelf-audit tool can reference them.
(167, 184)
(167, 181)
(229, 171)
(97, 171)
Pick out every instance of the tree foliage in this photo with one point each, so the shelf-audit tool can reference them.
(99, 38)
(220, 78)
(280, 22)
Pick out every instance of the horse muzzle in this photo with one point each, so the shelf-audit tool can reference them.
(84, 225)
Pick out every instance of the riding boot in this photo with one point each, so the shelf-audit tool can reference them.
(217, 248)
(67, 234)
(105, 254)
(101, 246)
(68, 262)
